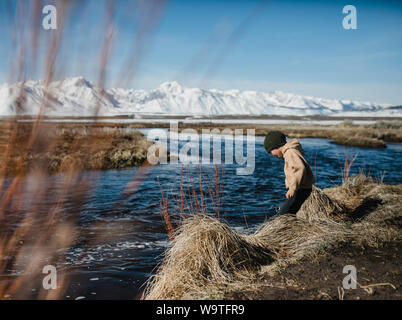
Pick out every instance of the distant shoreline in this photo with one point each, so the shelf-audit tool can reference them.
(180, 117)
(360, 132)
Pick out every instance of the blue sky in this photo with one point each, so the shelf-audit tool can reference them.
(293, 46)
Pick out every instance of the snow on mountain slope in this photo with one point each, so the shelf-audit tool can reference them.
(79, 97)
(73, 96)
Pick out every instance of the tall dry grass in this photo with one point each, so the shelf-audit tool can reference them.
(199, 193)
(37, 222)
(29, 153)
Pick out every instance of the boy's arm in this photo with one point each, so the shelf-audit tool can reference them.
(297, 168)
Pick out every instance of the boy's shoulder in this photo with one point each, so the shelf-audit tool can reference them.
(292, 146)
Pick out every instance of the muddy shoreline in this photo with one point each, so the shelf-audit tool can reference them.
(378, 274)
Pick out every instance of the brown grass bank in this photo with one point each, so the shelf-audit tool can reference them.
(57, 148)
(374, 135)
(209, 260)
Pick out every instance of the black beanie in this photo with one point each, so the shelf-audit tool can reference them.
(274, 140)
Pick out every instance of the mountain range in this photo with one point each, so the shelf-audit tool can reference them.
(79, 97)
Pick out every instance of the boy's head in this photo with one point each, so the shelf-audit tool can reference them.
(273, 141)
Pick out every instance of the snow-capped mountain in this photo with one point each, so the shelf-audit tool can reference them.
(79, 97)
(73, 96)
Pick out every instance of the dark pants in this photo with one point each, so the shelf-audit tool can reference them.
(293, 204)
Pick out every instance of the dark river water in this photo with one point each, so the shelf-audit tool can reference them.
(135, 234)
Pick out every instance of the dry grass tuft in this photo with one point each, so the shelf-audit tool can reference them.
(290, 237)
(352, 191)
(319, 205)
(205, 251)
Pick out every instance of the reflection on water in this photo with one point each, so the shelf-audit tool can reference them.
(135, 235)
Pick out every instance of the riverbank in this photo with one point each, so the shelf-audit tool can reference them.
(56, 148)
(366, 133)
(347, 133)
(209, 260)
